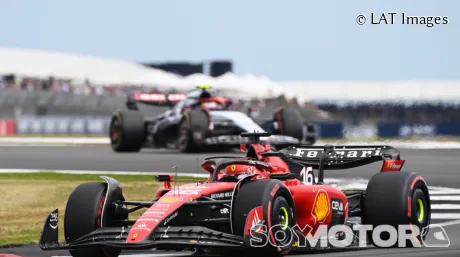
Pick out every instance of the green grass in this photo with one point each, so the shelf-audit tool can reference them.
(28, 198)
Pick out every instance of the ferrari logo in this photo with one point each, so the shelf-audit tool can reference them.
(233, 167)
(321, 208)
(134, 236)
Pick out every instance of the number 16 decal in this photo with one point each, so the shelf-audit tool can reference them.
(307, 176)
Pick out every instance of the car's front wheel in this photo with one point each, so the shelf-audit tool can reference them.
(272, 202)
(83, 215)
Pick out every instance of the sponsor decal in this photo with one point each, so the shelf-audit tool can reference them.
(321, 208)
(159, 213)
(274, 190)
(146, 229)
(224, 211)
(162, 205)
(54, 220)
(337, 206)
(143, 225)
(170, 218)
(339, 153)
(417, 130)
(254, 220)
(148, 219)
(392, 165)
(222, 195)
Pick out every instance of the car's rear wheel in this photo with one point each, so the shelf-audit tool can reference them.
(83, 215)
(394, 199)
(192, 131)
(275, 202)
(127, 131)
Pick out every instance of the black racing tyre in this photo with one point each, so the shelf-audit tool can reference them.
(127, 131)
(277, 204)
(397, 198)
(290, 123)
(83, 216)
(310, 139)
(193, 130)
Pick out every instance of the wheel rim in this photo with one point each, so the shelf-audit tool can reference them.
(421, 210)
(182, 140)
(283, 218)
(115, 132)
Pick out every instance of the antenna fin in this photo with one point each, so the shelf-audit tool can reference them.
(176, 178)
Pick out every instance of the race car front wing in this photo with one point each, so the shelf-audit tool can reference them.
(116, 237)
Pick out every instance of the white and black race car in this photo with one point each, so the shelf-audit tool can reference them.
(197, 121)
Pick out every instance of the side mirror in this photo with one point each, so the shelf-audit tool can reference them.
(164, 178)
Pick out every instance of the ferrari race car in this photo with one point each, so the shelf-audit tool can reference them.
(197, 121)
(268, 202)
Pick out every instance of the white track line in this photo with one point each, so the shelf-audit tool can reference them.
(445, 216)
(445, 206)
(448, 223)
(445, 198)
(444, 192)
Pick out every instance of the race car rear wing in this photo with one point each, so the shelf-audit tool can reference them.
(154, 99)
(329, 157)
(341, 157)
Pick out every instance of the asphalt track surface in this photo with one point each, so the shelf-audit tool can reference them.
(439, 168)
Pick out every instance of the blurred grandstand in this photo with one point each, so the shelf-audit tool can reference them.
(47, 83)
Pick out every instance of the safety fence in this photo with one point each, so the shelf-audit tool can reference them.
(99, 126)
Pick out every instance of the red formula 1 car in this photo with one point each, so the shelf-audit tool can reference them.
(268, 202)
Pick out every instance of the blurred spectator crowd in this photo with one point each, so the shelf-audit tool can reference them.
(356, 114)
(68, 86)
